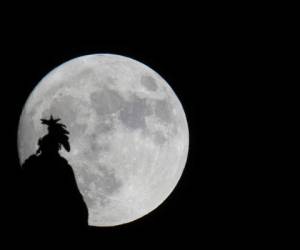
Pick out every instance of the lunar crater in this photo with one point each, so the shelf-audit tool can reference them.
(149, 82)
(106, 101)
(163, 110)
(133, 114)
(109, 183)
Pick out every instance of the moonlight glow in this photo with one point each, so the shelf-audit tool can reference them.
(128, 133)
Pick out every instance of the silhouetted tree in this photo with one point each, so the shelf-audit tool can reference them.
(57, 136)
(52, 200)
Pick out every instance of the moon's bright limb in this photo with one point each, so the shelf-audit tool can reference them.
(128, 133)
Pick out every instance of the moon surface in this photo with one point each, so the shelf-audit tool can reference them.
(128, 133)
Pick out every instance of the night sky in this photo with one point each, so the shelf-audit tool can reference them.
(204, 66)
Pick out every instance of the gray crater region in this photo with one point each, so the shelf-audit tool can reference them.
(148, 82)
(128, 133)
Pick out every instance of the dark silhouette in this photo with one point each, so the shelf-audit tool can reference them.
(52, 200)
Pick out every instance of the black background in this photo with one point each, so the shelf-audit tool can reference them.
(204, 65)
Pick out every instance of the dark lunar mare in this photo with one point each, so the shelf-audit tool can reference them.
(52, 203)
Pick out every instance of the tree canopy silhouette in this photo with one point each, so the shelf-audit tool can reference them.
(57, 136)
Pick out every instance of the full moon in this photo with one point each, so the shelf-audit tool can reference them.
(128, 133)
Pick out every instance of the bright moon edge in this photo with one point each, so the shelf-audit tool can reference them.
(114, 65)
